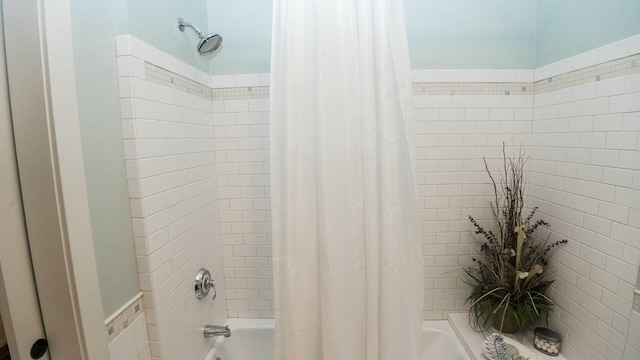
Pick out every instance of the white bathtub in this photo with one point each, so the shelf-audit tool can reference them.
(252, 339)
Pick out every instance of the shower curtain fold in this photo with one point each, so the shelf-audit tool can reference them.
(346, 255)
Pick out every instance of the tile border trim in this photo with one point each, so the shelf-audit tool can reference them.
(123, 317)
(132, 46)
(615, 59)
(472, 88)
(252, 89)
(625, 66)
(161, 76)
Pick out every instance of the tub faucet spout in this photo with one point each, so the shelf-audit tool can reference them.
(214, 331)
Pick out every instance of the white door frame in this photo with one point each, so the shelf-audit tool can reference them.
(18, 295)
(42, 88)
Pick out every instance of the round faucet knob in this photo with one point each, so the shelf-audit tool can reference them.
(204, 283)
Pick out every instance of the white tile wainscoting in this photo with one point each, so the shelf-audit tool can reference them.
(585, 177)
(132, 343)
(198, 154)
(169, 150)
(127, 330)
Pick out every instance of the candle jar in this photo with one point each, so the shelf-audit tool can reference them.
(546, 341)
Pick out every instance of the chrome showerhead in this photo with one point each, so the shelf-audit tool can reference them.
(208, 42)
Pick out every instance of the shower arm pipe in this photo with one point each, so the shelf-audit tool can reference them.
(182, 24)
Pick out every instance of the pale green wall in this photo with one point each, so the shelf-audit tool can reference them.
(245, 26)
(471, 34)
(570, 27)
(155, 22)
(94, 30)
(442, 34)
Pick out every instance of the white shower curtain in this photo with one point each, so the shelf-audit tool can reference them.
(347, 260)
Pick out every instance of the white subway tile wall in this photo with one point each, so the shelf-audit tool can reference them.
(241, 120)
(452, 134)
(132, 343)
(585, 177)
(169, 150)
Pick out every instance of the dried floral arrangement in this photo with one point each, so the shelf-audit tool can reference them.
(508, 278)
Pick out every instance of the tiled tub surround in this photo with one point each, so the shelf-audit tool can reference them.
(242, 157)
(585, 176)
(584, 173)
(455, 125)
(169, 150)
(461, 115)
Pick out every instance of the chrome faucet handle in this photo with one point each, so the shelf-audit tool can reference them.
(204, 283)
(211, 284)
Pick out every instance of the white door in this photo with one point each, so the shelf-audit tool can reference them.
(46, 197)
(19, 304)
